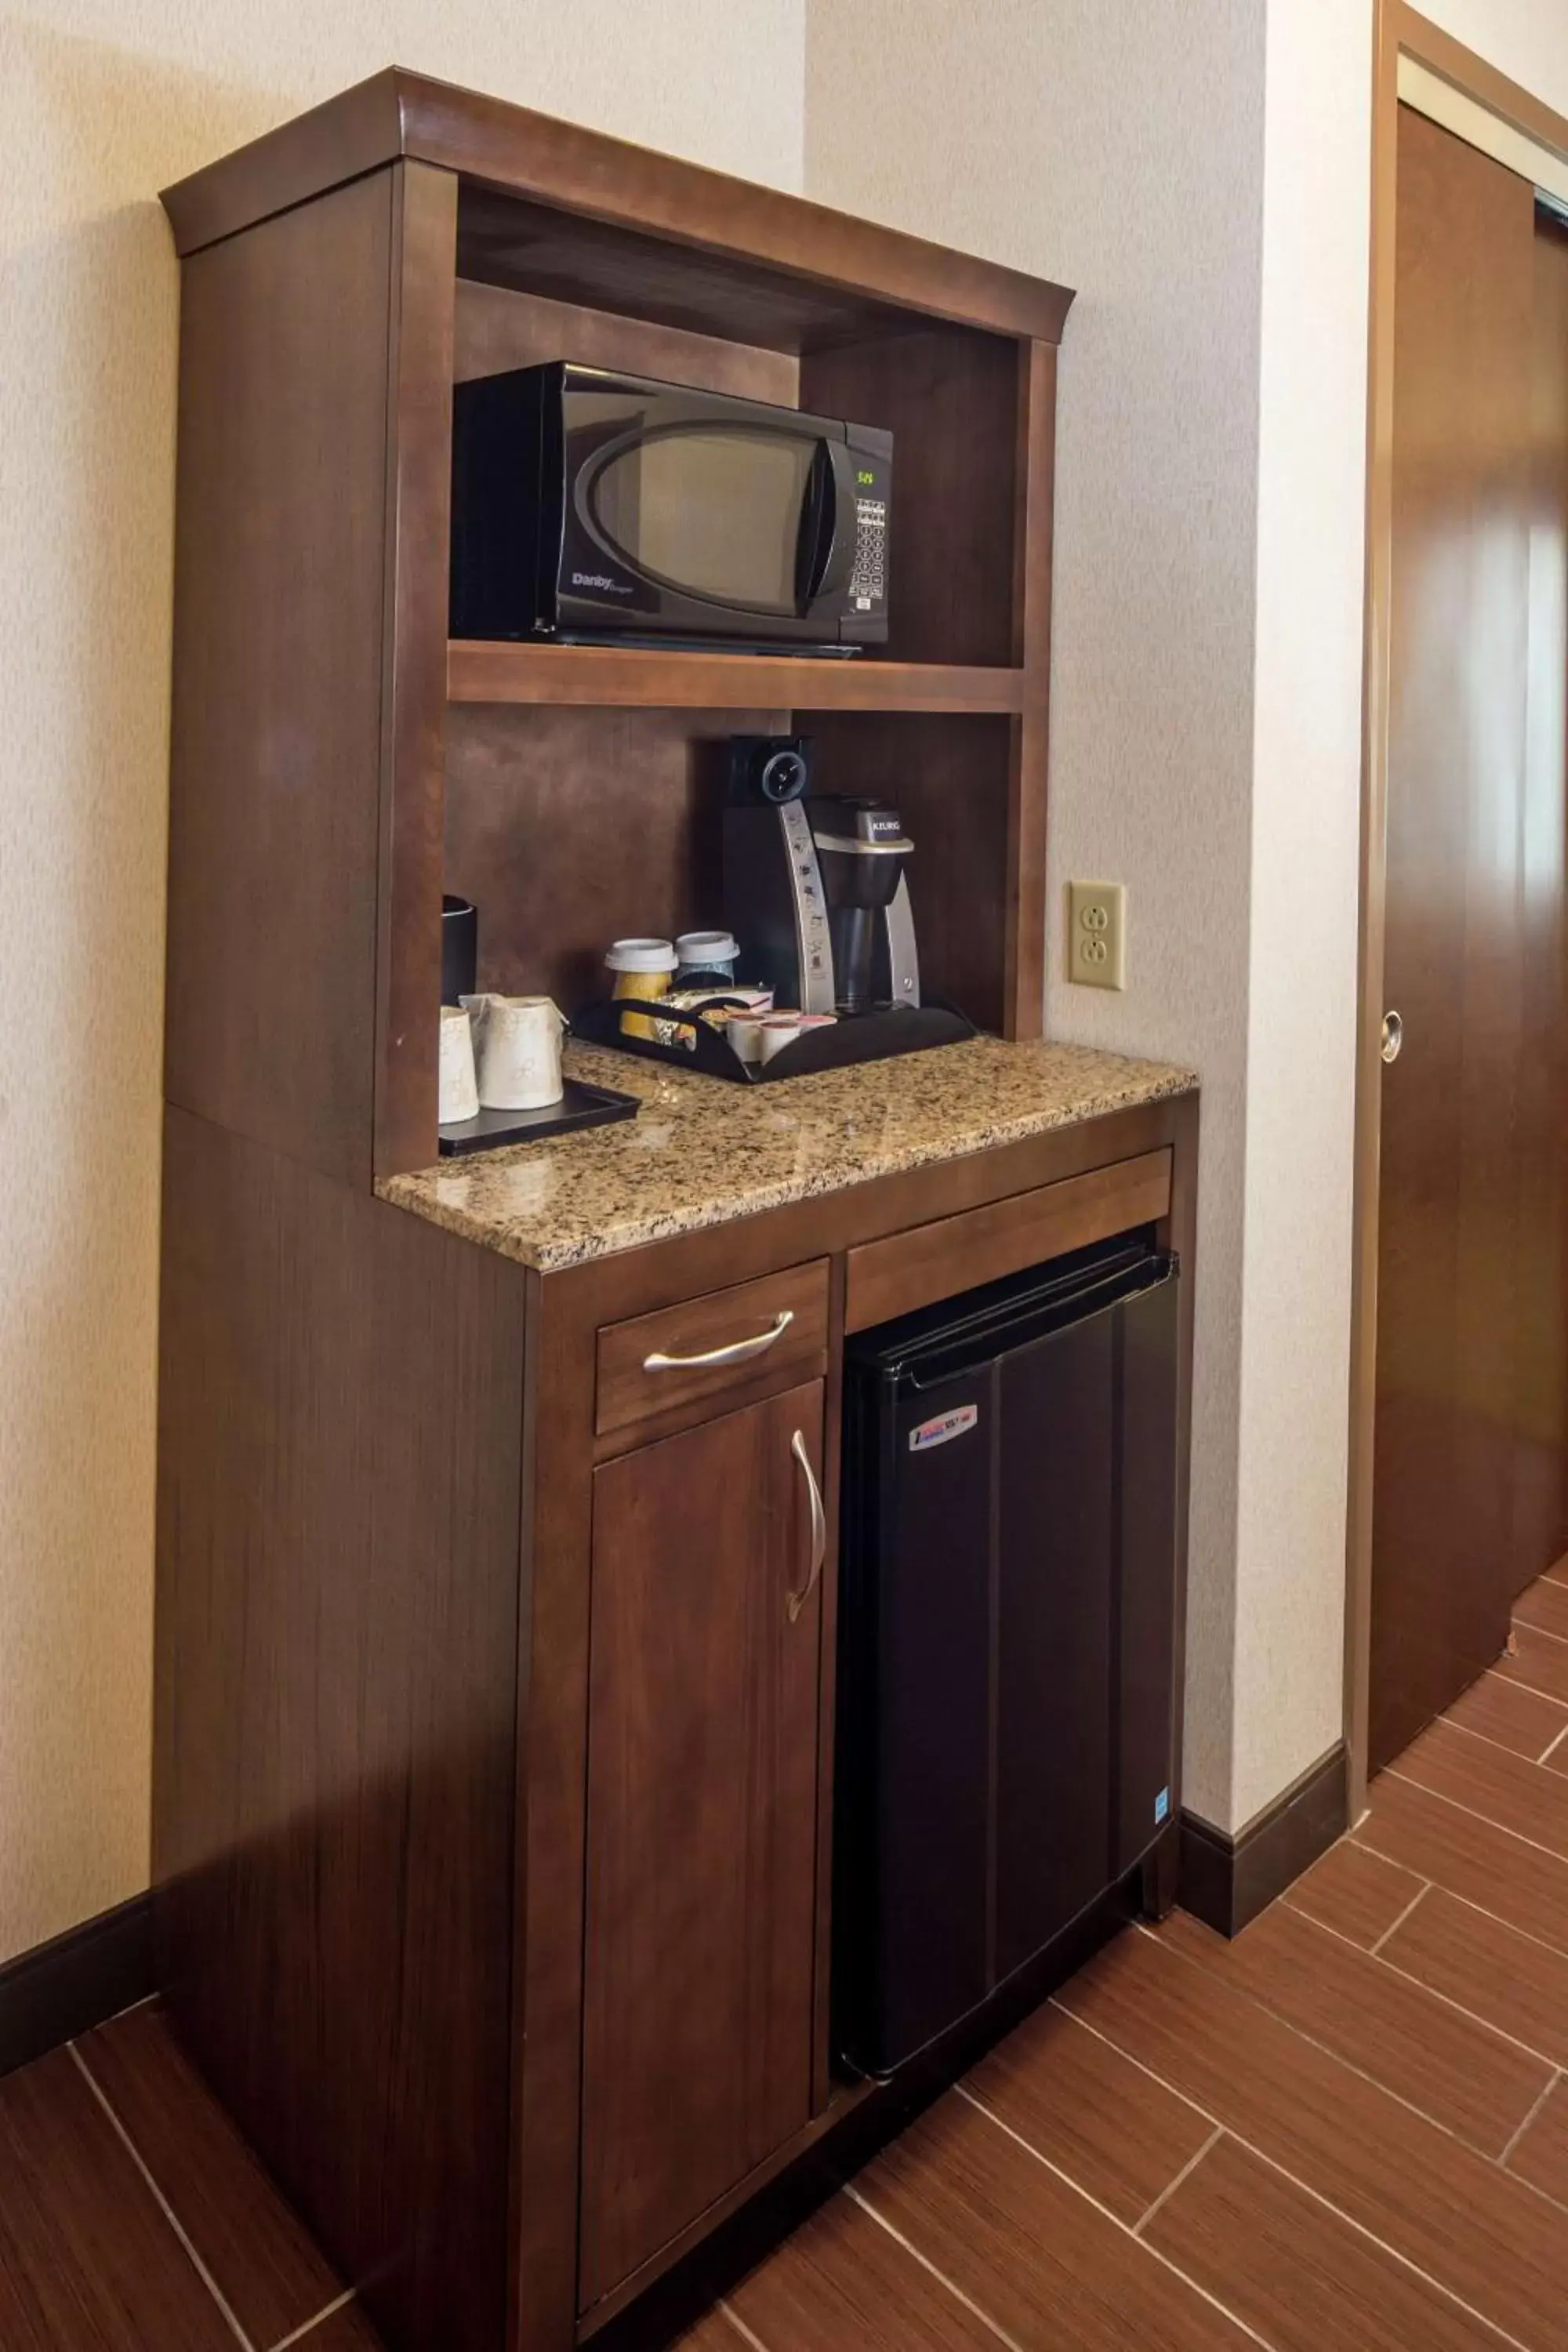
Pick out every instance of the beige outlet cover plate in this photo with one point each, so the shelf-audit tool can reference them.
(1097, 934)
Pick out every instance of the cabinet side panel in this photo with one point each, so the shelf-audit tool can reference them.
(277, 673)
(338, 1571)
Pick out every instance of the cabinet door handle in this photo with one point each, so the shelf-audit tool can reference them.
(739, 1351)
(796, 1600)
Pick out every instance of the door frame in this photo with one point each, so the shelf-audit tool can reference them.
(1398, 31)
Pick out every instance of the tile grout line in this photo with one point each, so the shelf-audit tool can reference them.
(1543, 1943)
(297, 2335)
(1544, 1631)
(1468, 1732)
(1502, 1827)
(1126, 2228)
(736, 2322)
(1171, 2186)
(856, 2197)
(1338, 2058)
(1535, 2109)
(1408, 1976)
(1393, 1929)
(163, 2203)
(1360, 2228)
(1551, 1744)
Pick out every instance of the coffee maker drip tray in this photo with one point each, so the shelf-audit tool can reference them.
(696, 1046)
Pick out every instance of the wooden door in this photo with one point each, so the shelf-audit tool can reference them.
(1467, 1505)
(702, 1781)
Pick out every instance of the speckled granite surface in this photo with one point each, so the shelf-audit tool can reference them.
(700, 1151)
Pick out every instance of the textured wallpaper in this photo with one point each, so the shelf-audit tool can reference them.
(99, 105)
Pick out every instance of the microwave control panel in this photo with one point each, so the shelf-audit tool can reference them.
(871, 470)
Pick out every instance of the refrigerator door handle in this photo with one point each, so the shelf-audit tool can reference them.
(796, 1601)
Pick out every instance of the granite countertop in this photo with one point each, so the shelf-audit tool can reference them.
(701, 1150)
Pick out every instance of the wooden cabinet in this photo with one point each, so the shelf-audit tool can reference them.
(703, 1742)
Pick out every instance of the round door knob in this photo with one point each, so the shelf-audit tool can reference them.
(1392, 1037)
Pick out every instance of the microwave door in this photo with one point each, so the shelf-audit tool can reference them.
(827, 531)
(697, 524)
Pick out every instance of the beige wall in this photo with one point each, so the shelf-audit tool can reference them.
(1120, 147)
(99, 105)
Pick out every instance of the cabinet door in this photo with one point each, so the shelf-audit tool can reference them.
(702, 1769)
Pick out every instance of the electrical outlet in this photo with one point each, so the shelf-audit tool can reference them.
(1097, 934)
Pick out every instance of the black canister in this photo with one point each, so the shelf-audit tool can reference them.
(459, 948)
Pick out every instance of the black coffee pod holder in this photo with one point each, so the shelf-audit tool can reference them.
(858, 1038)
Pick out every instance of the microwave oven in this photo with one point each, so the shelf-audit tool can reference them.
(590, 506)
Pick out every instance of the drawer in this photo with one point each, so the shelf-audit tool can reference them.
(952, 1253)
(773, 1331)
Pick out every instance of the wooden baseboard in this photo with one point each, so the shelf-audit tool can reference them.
(1227, 1880)
(65, 1987)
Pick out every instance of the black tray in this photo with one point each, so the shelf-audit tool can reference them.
(861, 1037)
(580, 1106)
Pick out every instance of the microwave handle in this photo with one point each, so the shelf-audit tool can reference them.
(833, 501)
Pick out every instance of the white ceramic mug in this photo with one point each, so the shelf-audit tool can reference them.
(459, 1096)
(517, 1045)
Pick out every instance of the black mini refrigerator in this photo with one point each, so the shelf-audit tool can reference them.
(1006, 1699)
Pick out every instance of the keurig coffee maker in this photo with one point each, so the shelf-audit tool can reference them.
(814, 887)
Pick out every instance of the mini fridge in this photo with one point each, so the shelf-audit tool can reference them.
(1007, 1687)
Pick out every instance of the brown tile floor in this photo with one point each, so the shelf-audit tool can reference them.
(1345, 2132)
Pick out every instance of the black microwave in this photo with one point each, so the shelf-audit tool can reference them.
(589, 506)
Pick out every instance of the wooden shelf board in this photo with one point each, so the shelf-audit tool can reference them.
(616, 675)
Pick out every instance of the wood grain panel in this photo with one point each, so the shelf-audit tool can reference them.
(842, 2284)
(604, 677)
(1298, 2272)
(626, 1393)
(572, 828)
(1539, 1400)
(279, 541)
(1455, 2215)
(1115, 2132)
(1496, 1709)
(88, 2262)
(336, 1706)
(1480, 1863)
(270, 2275)
(414, 669)
(1517, 1984)
(1541, 2155)
(1443, 1566)
(498, 328)
(1489, 1781)
(950, 397)
(1040, 2260)
(928, 1261)
(1354, 1893)
(701, 1851)
(1450, 2067)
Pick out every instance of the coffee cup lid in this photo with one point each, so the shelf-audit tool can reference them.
(641, 955)
(707, 946)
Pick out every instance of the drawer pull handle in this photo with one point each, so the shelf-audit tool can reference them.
(796, 1601)
(739, 1351)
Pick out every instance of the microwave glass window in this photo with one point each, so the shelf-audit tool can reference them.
(711, 511)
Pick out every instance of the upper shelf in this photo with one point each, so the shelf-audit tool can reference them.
(623, 676)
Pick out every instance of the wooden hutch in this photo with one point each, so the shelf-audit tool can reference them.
(387, 1455)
